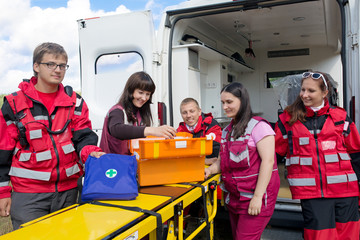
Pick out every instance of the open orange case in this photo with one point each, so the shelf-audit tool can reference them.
(166, 161)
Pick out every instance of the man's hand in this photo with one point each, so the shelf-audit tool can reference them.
(5, 204)
(97, 154)
(209, 161)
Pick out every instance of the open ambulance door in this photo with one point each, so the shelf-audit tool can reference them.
(111, 49)
(351, 59)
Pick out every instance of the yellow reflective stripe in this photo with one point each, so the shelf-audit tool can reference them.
(202, 147)
(156, 150)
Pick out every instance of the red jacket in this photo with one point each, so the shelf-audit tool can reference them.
(39, 151)
(240, 167)
(206, 125)
(317, 153)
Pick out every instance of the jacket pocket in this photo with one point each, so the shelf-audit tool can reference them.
(345, 161)
(239, 155)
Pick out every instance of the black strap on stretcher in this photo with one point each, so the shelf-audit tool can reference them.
(205, 208)
(159, 229)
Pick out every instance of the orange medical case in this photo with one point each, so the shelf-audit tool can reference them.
(166, 161)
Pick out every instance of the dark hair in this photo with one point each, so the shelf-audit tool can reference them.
(50, 48)
(245, 113)
(297, 109)
(142, 81)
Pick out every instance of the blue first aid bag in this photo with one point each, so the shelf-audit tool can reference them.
(112, 176)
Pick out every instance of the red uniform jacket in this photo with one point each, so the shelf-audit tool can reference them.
(43, 151)
(317, 153)
(206, 125)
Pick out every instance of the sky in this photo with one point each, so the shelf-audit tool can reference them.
(24, 24)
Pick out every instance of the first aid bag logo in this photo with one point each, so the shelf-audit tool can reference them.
(111, 173)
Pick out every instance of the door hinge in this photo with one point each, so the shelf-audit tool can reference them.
(355, 40)
(157, 58)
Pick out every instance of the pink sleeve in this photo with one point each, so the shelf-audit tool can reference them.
(261, 130)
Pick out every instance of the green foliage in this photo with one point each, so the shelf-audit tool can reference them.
(2, 99)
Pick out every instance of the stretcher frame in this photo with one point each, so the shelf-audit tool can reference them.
(167, 201)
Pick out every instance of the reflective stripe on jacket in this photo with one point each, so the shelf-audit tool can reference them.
(317, 160)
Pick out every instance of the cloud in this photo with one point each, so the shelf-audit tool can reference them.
(23, 27)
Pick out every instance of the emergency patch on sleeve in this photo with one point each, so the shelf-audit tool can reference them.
(212, 136)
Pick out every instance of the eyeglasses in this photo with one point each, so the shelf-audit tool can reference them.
(315, 76)
(53, 66)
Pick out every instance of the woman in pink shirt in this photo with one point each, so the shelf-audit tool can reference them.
(247, 164)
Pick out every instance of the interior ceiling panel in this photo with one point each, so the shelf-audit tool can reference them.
(293, 25)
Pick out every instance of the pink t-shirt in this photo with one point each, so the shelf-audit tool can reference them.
(261, 130)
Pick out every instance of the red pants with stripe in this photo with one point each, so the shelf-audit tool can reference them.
(247, 227)
(331, 218)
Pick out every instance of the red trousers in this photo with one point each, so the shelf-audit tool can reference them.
(331, 218)
(247, 227)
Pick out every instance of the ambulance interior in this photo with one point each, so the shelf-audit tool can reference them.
(253, 45)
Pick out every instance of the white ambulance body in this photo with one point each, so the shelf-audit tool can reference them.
(200, 45)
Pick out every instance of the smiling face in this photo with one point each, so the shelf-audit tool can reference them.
(140, 97)
(311, 93)
(190, 113)
(48, 79)
(231, 104)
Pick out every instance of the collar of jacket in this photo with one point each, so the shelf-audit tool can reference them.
(61, 99)
(203, 118)
(322, 111)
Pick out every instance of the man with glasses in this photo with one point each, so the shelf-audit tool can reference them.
(45, 139)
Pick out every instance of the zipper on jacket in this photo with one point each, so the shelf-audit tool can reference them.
(58, 162)
(318, 153)
(55, 150)
(54, 145)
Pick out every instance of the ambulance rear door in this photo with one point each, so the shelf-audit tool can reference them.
(111, 49)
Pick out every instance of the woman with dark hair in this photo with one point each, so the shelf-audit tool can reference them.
(322, 149)
(247, 165)
(131, 117)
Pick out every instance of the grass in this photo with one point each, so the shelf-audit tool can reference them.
(5, 222)
(5, 225)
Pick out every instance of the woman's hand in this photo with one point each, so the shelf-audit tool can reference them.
(255, 206)
(162, 131)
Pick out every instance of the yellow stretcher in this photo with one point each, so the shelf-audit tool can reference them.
(130, 220)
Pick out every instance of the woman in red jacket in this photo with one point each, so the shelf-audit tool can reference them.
(321, 144)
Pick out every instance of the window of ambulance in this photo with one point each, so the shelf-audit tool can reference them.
(111, 73)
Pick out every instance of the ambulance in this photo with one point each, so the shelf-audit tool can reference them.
(201, 45)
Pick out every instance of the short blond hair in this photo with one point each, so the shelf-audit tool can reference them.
(189, 100)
